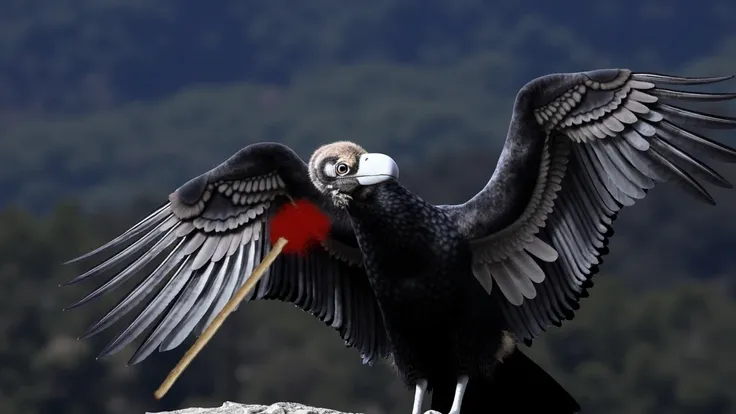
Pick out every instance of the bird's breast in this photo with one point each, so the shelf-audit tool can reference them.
(412, 252)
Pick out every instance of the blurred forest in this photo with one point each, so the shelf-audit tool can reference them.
(108, 105)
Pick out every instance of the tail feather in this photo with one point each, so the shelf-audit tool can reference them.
(518, 385)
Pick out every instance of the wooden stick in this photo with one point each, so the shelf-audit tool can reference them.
(217, 322)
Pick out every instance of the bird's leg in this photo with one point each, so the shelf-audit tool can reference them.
(419, 394)
(457, 402)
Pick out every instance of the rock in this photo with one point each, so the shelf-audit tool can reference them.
(236, 408)
(278, 408)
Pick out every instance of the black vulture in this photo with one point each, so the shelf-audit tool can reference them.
(445, 291)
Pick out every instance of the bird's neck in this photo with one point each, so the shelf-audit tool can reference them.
(380, 201)
(389, 214)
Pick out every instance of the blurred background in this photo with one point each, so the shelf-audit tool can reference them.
(106, 106)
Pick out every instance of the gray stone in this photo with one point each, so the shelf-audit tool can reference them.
(236, 408)
(278, 408)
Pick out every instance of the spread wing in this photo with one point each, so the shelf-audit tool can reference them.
(214, 231)
(580, 147)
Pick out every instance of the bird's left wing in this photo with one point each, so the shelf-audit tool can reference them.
(211, 235)
(580, 147)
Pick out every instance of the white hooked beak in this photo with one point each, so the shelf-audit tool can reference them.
(376, 168)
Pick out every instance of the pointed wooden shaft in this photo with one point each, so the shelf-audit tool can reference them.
(230, 306)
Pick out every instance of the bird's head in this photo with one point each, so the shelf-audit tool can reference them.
(340, 168)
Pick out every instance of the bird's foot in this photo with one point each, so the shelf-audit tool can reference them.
(340, 199)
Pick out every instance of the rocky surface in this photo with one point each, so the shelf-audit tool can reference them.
(278, 408)
(236, 408)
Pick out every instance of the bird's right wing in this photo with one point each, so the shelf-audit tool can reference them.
(214, 229)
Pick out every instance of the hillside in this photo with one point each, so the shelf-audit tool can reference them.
(81, 55)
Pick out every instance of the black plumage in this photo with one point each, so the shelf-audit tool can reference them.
(419, 267)
(439, 321)
(446, 291)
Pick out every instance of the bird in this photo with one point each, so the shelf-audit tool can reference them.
(446, 293)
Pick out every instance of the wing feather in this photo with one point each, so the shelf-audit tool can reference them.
(215, 229)
(197, 309)
(606, 138)
(181, 308)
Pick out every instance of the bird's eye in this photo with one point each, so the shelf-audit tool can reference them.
(342, 168)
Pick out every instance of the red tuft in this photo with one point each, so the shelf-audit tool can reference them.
(301, 224)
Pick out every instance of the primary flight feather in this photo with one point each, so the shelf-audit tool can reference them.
(445, 291)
